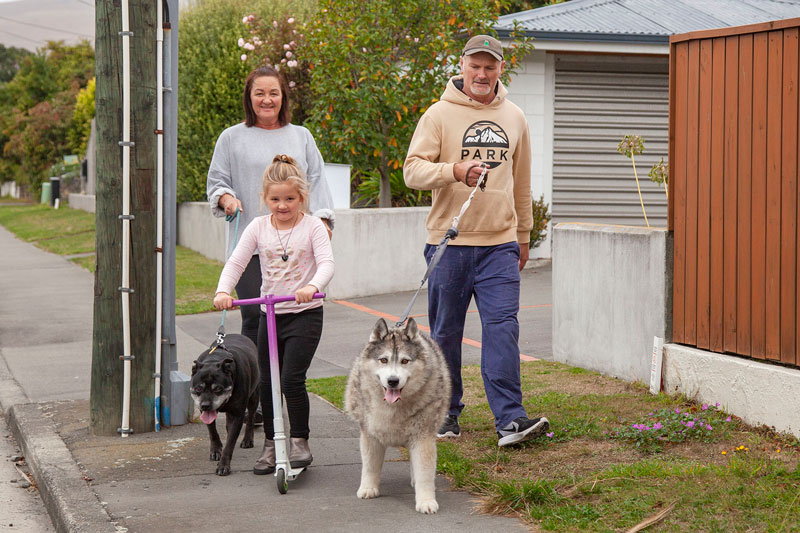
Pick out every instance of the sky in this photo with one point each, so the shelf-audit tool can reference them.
(30, 23)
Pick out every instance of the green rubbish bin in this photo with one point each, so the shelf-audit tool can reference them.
(46, 193)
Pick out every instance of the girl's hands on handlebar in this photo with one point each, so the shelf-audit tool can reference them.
(223, 300)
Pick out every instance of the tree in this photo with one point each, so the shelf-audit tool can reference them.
(10, 61)
(376, 67)
(81, 126)
(36, 109)
(515, 6)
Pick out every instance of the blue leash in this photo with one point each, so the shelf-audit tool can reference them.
(228, 218)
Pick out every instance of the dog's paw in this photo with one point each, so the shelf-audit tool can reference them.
(365, 493)
(427, 507)
(247, 443)
(215, 455)
(223, 470)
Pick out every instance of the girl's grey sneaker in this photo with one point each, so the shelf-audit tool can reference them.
(522, 429)
(449, 428)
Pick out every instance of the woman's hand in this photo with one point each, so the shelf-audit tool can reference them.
(223, 300)
(229, 204)
(305, 295)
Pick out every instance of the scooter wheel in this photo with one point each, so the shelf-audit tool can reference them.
(283, 485)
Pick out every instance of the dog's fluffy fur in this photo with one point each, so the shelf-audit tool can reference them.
(225, 380)
(399, 392)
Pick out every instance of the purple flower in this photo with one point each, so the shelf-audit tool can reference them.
(705, 406)
(708, 427)
(728, 419)
(550, 435)
(677, 411)
(690, 424)
(657, 426)
(716, 404)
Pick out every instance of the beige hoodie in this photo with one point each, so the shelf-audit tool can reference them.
(458, 128)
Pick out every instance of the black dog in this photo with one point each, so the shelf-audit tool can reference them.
(225, 379)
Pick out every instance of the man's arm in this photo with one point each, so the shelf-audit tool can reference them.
(422, 169)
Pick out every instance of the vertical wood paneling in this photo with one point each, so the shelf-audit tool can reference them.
(789, 134)
(704, 195)
(744, 164)
(717, 266)
(735, 192)
(692, 138)
(758, 204)
(730, 186)
(677, 171)
(772, 299)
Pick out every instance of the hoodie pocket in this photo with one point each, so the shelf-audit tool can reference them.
(489, 211)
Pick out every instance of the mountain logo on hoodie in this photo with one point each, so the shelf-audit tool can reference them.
(486, 141)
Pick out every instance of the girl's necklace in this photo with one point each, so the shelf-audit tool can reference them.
(285, 255)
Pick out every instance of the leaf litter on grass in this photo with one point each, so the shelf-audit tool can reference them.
(596, 480)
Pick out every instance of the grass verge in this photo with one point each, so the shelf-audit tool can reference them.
(617, 457)
(70, 232)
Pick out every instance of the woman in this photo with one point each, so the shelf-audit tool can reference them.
(241, 155)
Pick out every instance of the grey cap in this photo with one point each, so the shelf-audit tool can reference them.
(484, 43)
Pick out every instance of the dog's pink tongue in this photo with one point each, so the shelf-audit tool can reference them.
(392, 395)
(208, 416)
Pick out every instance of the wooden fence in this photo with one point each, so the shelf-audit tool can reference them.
(733, 155)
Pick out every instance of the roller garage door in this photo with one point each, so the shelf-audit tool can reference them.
(599, 100)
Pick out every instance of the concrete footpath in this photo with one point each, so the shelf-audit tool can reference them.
(164, 481)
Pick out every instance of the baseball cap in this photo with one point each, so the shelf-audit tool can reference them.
(484, 43)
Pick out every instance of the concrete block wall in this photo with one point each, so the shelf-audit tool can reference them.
(376, 250)
(532, 89)
(81, 201)
(758, 392)
(611, 295)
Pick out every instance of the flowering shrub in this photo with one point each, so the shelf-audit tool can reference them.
(667, 425)
(279, 42)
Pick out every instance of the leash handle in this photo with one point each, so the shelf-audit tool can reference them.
(235, 215)
(465, 205)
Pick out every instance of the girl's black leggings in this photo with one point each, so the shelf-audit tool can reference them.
(298, 335)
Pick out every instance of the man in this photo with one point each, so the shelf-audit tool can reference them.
(473, 127)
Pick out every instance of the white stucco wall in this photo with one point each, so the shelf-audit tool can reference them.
(532, 89)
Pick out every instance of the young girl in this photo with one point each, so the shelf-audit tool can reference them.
(296, 258)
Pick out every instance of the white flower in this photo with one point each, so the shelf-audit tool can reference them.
(286, 46)
(288, 55)
(249, 46)
(291, 63)
(244, 57)
(290, 20)
(256, 41)
(275, 23)
(291, 43)
(364, 50)
(240, 42)
(416, 39)
(283, 60)
(244, 20)
(292, 84)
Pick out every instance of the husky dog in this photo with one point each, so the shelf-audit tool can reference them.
(398, 392)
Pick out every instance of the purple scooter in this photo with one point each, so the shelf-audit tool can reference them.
(283, 470)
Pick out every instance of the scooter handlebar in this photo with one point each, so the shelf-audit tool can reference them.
(269, 298)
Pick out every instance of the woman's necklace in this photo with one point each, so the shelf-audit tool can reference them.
(285, 255)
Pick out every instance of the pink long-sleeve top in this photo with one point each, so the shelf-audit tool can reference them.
(310, 260)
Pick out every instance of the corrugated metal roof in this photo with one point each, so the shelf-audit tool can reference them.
(642, 20)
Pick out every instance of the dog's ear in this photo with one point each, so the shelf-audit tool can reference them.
(228, 366)
(411, 330)
(380, 331)
(195, 366)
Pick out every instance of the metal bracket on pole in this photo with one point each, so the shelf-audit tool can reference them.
(127, 357)
(125, 33)
(126, 143)
(156, 375)
(125, 289)
(127, 217)
(124, 431)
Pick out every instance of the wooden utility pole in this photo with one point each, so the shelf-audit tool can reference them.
(107, 343)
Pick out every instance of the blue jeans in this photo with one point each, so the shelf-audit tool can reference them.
(491, 275)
